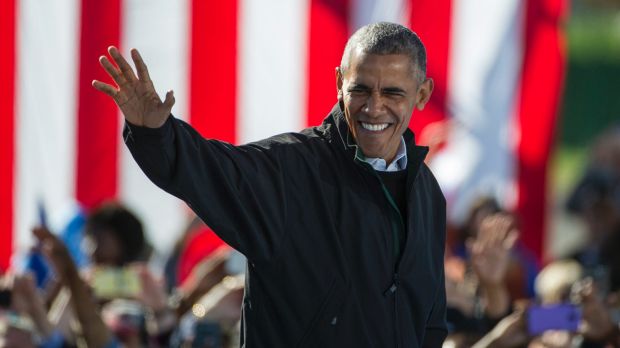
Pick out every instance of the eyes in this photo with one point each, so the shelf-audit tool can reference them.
(360, 90)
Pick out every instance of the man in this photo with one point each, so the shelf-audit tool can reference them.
(342, 224)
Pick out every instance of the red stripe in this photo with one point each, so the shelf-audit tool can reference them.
(430, 19)
(542, 80)
(8, 14)
(97, 129)
(328, 33)
(213, 68)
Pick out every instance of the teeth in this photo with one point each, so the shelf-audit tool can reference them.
(374, 127)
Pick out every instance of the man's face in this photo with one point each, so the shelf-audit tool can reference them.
(379, 93)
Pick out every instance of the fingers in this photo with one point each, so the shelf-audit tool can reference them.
(122, 64)
(143, 72)
(587, 291)
(105, 88)
(113, 71)
(498, 230)
(41, 233)
(169, 101)
(511, 239)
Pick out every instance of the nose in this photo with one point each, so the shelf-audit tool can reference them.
(374, 105)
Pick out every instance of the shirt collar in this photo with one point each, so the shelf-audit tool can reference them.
(399, 162)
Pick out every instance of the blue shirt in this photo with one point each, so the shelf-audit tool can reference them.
(399, 162)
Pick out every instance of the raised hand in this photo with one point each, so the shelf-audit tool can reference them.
(490, 258)
(152, 293)
(57, 252)
(597, 323)
(27, 301)
(95, 333)
(135, 96)
(490, 251)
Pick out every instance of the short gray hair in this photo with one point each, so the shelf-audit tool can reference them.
(387, 38)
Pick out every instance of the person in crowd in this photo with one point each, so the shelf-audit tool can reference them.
(115, 236)
(120, 277)
(478, 300)
(596, 200)
(147, 318)
(523, 266)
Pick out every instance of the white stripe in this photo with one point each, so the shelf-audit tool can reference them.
(47, 51)
(159, 30)
(484, 72)
(371, 11)
(272, 65)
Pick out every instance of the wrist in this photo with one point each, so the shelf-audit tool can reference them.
(496, 301)
(492, 285)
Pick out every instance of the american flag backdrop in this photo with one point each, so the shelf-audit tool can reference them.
(247, 69)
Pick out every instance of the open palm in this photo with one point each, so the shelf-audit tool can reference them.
(490, 251)
(135, 96)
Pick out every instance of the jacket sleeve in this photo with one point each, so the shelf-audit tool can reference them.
(237, 190)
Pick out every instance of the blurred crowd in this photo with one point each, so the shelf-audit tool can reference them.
(118, 298)
(498, 295)
(101, 287)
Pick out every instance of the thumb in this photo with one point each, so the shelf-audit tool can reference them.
(169, 101)
(511, 239)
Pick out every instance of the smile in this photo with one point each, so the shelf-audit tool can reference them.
(374, 127)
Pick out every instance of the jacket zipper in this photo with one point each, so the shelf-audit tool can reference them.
(393, 289)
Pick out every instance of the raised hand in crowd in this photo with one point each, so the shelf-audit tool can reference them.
(26, 301)
(134, 95)
(490, 250)
(203, 278)
(597, 324)
(94, 331)
(152, 294)
(17, 327)
(490, 257)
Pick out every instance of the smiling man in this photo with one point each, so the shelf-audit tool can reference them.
(380, 81)
(343, 224)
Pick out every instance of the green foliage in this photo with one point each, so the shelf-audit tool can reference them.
(592, 91)
(594, 37)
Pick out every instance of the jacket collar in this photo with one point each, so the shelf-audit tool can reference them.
(343, 136)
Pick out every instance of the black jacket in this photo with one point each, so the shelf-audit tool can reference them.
(318, 228)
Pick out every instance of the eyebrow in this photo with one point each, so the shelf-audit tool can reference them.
(358, 86)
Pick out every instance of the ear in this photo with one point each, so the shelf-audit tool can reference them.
(424, 93)
(339, 79)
